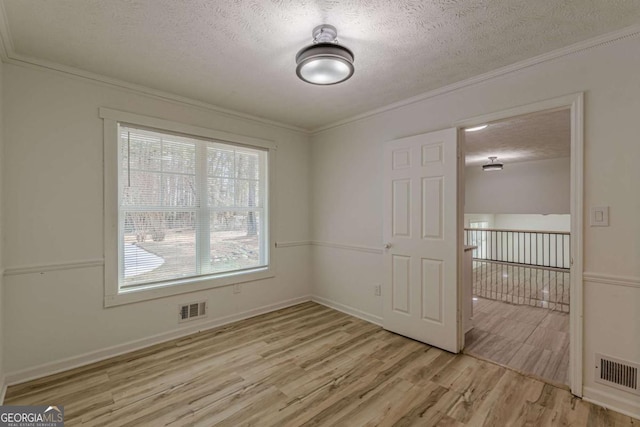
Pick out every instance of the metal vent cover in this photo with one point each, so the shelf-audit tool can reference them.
(617, 373)
(192, 311)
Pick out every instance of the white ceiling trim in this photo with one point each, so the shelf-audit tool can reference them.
(9, 56)
(605, 39)
(143, 90)
(20, 60)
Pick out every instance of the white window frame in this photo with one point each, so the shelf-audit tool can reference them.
(113, 294)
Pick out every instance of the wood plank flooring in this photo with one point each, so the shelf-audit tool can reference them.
(528, 339)
(306, 365)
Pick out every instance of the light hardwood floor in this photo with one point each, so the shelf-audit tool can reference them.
(531, 340)
(305, 365)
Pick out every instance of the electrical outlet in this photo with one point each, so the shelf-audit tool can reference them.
(377, 289)
(237, 289)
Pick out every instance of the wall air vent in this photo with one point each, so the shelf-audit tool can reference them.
(617, 373)
(192, 311)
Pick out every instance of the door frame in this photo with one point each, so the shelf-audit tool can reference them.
(574, 102)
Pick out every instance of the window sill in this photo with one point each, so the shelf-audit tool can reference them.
(178, 287)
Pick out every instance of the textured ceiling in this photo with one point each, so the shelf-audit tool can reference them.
(239, 54)
(539, 136)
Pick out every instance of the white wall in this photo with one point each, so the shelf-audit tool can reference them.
(532, 222)
(521, 221)
(541, 186)
(54, 209)
(347, 190)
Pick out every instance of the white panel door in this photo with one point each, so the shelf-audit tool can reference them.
(420, 229)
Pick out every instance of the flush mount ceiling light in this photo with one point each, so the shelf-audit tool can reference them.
(493, 166)
(324, 62)
(476, 128)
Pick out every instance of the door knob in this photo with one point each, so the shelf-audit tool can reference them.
(387, 246)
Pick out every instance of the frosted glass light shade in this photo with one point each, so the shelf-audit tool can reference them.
(493, 166)
(324, 64)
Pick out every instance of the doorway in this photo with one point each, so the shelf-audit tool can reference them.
(525, 272)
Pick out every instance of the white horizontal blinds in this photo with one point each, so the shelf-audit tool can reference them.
(173, 211)
(158, 203)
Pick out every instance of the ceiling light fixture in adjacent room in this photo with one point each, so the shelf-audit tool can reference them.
(324, 62)
(476, 128)
(493, 166)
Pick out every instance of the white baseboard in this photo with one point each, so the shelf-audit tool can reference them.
(3, 389)
(627, 407)
(55, 367)
(376, 320)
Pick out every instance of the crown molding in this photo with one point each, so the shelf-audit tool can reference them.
(41, 64)
(605, 39)
(9, 56)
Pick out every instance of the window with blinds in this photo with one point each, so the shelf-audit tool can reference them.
(188, 207)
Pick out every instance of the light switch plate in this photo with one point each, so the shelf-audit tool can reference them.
(599, 216)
